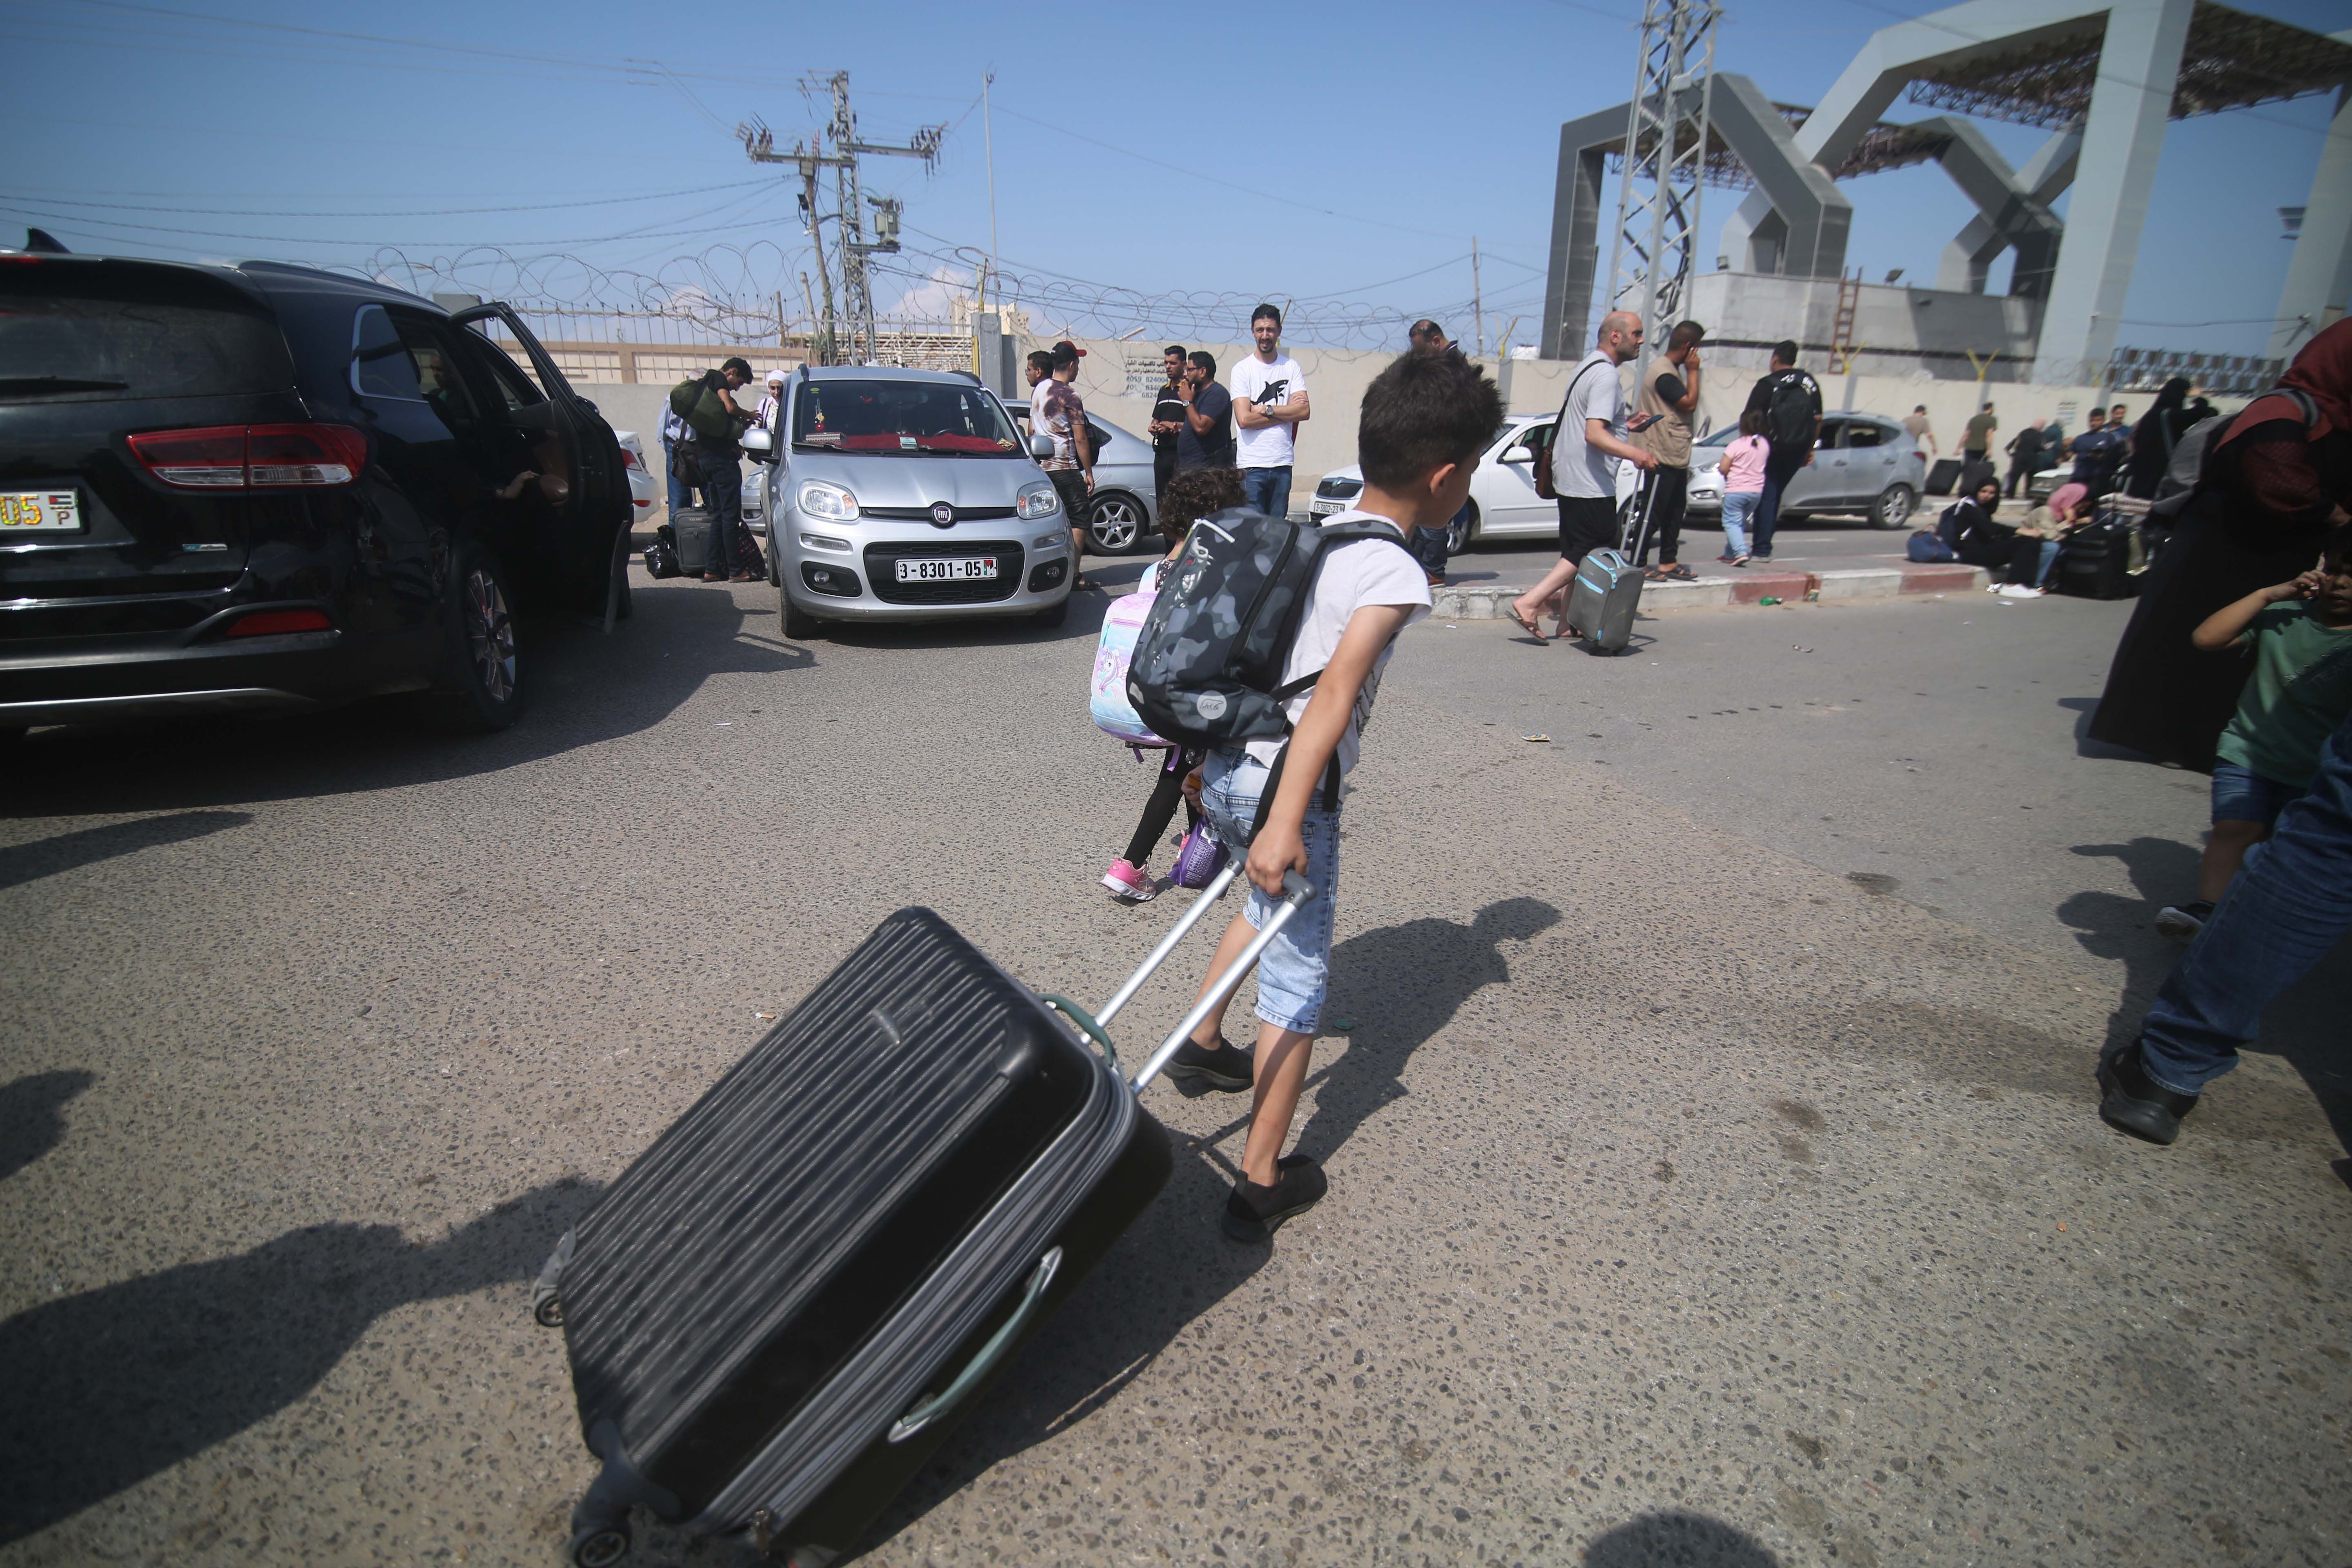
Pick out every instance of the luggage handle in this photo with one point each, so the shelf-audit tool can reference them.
(1296, 891)
(1200, 906)
(1088, 1026)
(981, 1364)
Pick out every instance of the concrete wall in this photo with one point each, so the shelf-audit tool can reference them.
(1896, 331)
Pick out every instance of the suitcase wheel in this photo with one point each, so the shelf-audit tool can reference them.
(547, 1311)
(600, 1546)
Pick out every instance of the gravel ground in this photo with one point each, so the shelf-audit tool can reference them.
(1693, 1201)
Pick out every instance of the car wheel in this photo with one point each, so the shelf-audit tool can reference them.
(1114, 522)
(799, 625)
(1053, 617)
(482, 677)
(1462, 530)
(1894, 507)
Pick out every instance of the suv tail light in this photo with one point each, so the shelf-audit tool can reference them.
(253, 456)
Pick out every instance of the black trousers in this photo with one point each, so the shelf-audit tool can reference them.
(1163, 469)
(2020, 472)
(1669, 498)
(722, 496)
(1160, 809)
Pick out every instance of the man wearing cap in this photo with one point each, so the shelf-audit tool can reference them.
(1058, 412)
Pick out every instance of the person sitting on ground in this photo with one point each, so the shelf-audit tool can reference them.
(1191, 495)
(2300, 634)
(1968, 526)
(2068, 509)
(1425, 419)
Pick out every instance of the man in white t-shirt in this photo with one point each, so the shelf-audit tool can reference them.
(1425, 419)
(1269, 405)
(1585, 451)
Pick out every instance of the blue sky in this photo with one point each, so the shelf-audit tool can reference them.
(1198, 157)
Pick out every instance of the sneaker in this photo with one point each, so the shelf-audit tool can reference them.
(1227, 1066)
(1741, 561)
(2182, 923)
(1729, 559)
(1128, 884)
(2133, 1103)
(1252, 1212)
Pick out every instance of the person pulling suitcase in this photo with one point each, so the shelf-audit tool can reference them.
(1425, 420)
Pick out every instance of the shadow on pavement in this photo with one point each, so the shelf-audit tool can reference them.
(584, 688)
(1408, 980)
(2082, 708)
(68, 851)
(1677, 1540)
(32, 1116)
(2305, 1027)
(108, 1387)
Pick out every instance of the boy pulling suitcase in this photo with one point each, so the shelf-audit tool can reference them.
(1425, 420)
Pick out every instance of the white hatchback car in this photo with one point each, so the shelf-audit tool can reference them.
(1503, 500)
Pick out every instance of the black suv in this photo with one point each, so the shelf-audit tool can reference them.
(263, 485)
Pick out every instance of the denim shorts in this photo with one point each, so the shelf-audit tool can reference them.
(1294, 974)
(2241, 794)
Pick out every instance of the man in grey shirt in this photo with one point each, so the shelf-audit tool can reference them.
(1585, 451)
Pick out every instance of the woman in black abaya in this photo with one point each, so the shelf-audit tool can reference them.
(2274, 483)
(2158, 431)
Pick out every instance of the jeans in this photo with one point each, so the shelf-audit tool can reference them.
(1266, 490)
(1777, 471)
(1738, 506)
(1294, 974)
(2050, 548)
(2289, 905)
(723, 493)
(681, 494)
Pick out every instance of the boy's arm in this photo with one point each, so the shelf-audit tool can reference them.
(2226, 625)
(1280, 846)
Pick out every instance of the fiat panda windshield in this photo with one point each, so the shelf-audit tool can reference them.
(901, 416)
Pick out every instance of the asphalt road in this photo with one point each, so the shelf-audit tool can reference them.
(1693, 1202)
(1832, 543)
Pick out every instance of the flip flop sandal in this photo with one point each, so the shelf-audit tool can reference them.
(1527, 625)
(1679, 573)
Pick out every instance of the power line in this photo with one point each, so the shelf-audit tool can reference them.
(420, 212)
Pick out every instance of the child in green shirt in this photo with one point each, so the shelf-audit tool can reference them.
(2299, 693)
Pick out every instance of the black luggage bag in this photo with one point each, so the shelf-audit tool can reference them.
(1944, 476)
(690, 529)
(781, 1310)
(2095, 561)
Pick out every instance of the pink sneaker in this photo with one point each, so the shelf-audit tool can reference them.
(1130, 884)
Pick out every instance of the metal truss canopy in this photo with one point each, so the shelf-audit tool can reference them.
(1884, 146)
(2233, 60)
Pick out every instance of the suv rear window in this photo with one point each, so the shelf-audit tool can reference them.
(873, 416)
(88, 331)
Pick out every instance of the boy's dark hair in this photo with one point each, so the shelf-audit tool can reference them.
(1262, 312)
(1785, 351)
(1176, 349)
(1043, 360)
(1192, 494)
(1751, 422)
(1205, 359)
(1685, 335)
(738, 365)
(1421, 412)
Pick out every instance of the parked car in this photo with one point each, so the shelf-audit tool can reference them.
(1862, 463)
(1125, 507)
(632, 463)
(263, 485)
(1503, 500)
(905, 495)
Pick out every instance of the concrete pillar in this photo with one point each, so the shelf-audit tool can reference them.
(2319, 278)
(1584, 146)
(987, 330)
(2139, 64)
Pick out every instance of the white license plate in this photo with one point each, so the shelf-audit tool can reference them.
(40, 512)
(954, 569)
(1325, 508)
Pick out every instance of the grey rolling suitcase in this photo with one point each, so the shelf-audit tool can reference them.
(778, 1313)
(691, 528)
(1601, 600)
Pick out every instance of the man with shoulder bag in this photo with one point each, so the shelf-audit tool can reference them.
(706, 405)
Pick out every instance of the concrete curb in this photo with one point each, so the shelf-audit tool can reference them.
(1491, 600)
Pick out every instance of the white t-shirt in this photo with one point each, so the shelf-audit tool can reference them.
(1361, 572)
(1579, 467)
(1255, 381)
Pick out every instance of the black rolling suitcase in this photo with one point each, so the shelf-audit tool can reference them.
(780, 1310)
(2095, 561)
(690, 529)
(1943, 476)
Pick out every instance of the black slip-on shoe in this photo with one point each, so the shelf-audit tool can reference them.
(1253, 1211)
(2136, 1104)
(1198, 1068)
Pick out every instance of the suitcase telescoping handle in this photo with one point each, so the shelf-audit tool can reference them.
(1296, 890)
(984, 1361)
(1200, 906)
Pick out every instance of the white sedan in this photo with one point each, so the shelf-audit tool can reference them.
(1503, 500)
(633, 462)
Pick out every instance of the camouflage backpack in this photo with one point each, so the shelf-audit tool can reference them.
(1207, 667)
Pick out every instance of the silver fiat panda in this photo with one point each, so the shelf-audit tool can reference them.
(905, 495)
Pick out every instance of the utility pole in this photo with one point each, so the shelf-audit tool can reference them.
(1664, 159)
(1478, 302)
(849, 209)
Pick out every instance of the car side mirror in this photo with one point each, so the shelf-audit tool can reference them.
(760, 445)
(1522, 453)
(1041, 446)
